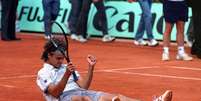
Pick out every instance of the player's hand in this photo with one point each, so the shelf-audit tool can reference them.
(130, 1)
(71, 67)
(91, 60)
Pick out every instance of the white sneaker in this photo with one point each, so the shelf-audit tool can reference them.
(165, 56)
(152, 43)
(108, 38)
(74, 37)
(140, 42)
(48, 37)
(167, 96)
(184, 56)
(81, 39)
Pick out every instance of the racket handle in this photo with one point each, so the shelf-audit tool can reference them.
(75, 76)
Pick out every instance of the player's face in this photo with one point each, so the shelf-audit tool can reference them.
(56, 58)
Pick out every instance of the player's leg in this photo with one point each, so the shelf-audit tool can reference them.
(115, 97)
(80, 98)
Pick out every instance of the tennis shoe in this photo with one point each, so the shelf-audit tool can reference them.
(74, 37)
(81, 39)
(140, 42)
(167, 96)
(165, 56)
(152, 43)
(108, 38)
(47, 37)
(184, 56)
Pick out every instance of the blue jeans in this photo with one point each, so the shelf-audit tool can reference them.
(76, 6)
(145, 21)
(51, 11)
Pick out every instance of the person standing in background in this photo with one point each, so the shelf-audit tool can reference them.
(196, 12)
(83, 19)
(145, 24)
(51, 11)
(76, 6)
(175, 12)
(8, 18)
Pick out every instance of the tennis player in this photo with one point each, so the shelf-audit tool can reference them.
(57, 83)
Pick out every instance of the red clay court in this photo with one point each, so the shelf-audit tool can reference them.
(122, 67)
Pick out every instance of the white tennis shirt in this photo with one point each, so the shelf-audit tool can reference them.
(50, 75)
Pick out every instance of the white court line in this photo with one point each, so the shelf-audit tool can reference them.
(6, 99)
(131, 68)
(17, 77)
(8, 86)
(120, 69)
(195, 69)
(157, 75)
(32, 76)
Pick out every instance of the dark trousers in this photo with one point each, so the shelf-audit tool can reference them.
(74, 14)
(83, 18)
(196, 48)
(8, 17)
(51, 11)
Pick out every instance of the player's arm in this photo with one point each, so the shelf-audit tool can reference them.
(86, 81)
(56, 90)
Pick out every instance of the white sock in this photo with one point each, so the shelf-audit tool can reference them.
(166, 50)
(181, 50)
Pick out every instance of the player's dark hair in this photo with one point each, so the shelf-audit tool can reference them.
(49, 47)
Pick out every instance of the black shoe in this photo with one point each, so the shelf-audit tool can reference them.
(12, 39)
(16, 39)
(5, 39)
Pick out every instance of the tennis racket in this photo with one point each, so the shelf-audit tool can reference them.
(66, 55)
